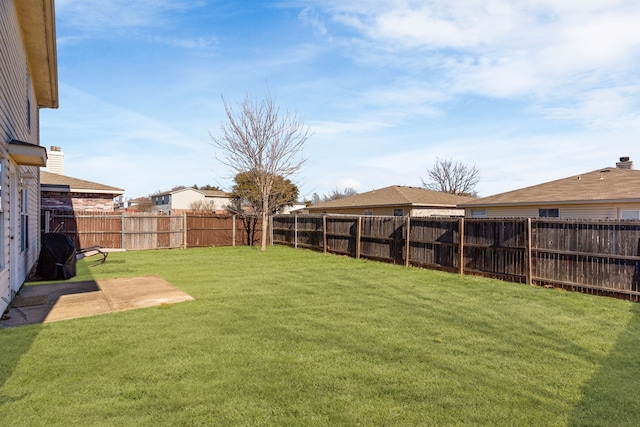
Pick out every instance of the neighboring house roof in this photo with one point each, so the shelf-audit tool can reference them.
(214, 193)
(395, 196)
(604, 185)
(62, 183)
(207, 193)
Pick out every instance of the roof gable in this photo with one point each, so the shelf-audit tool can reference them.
(601, 185)
(395, 196)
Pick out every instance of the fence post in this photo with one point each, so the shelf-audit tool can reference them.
(295, 231)
(407, 242)
(324, 234)
(233, 230)
(47, 218)
(271, 229)
(529, 265)
(185, 237)
(358, 237)
(122, 220)
(461, 246)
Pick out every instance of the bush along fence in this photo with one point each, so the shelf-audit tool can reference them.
(598, 257)
(150, 230)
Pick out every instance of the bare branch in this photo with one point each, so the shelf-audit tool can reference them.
(263, 142)
(454, 178)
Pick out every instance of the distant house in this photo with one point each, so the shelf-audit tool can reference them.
(139, 204)
(395, 200)
(61, 192)
(28, 82)
(606, 193)
(216, 200)
(189, 199)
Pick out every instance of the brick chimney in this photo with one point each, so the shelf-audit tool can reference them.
(624, 163)
(55, 162)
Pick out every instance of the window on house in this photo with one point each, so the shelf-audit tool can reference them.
(398, 212)
(28, 114)
(630, 214)
(549, 213)
(24, 219)
(368, 213)
(478, 213)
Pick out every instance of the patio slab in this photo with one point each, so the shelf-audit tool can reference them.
(62, 301)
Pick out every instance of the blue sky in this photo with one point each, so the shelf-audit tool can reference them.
(527, 91)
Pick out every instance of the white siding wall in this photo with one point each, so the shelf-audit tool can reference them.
(436, 212)
(15, 89)
(218, 203)
(182, 199)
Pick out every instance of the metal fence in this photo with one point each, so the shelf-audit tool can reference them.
(601, 257)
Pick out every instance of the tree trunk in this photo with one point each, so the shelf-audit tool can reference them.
(265, 226)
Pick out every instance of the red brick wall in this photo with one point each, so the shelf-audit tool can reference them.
(50, 200)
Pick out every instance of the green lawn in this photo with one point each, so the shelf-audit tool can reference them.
(293, 337)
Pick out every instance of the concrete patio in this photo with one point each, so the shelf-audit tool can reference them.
(69, 300)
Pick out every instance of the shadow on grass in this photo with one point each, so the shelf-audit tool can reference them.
(15, 342)
(611, 396)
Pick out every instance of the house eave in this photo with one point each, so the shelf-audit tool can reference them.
(37, 20)
(26, 154)
(66, 189)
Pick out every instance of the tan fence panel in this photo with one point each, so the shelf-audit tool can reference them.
(152, 231)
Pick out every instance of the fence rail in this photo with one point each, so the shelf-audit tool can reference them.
(148, 230)
(601, 257)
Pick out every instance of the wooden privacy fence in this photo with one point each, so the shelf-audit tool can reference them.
(147, 230)
(601, 257)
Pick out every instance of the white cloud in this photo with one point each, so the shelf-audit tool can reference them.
(542, 50)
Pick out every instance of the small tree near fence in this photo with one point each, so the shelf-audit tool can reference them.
(264, 143)
(245, 196)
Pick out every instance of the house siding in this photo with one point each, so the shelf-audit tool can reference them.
(587, 211)
(181, 200)
(16, 94)
(437, 212)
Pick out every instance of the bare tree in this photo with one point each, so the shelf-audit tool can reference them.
(453, 178)
(337, 193)
(200, 206)
(263, 142)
